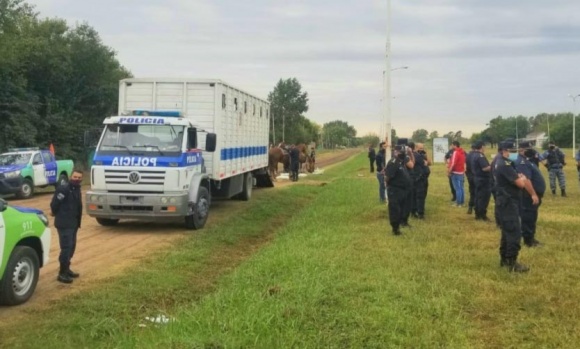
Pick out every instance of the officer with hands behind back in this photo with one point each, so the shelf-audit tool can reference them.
(508, 188)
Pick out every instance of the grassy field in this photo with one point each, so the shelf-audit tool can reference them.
(314, 265)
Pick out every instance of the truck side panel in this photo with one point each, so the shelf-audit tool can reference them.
(240, 120)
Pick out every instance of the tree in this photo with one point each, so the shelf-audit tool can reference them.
(420, 135)
(369, 139)
(338, 133)
(433, 134)
(287, 104)
(55, 81)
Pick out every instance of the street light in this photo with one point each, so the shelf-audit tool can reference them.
(573, 123)
(387, 133)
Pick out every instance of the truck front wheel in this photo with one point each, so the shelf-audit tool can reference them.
(20, 277)
(199, 213)
(106, 222)
(26, 189)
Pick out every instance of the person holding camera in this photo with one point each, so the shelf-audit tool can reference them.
(554, 160)
(409, 162)
(398, 181)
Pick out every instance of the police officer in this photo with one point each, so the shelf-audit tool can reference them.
(419, 177)
(398, 181)
(529, 211)
(67, 208)
(509, 185)
(380, 159)
(470, 177)
(497, 157)
(409, 162)
(372, 156)
(482, 182)
(294, 162)
(553, 159)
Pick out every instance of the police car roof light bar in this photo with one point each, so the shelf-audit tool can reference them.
(15, 150)
(169, 113)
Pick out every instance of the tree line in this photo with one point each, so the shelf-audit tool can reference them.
(58, 81)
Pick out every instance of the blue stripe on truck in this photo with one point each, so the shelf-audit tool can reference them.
(242, 152)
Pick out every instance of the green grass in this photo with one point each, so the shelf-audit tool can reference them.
(315, 266)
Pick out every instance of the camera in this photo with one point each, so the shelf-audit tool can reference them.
(404, 143)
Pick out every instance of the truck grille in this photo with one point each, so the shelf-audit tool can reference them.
(119, 208)
(146, 177)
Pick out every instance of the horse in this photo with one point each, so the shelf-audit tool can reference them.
(277, 155)
(306, 160)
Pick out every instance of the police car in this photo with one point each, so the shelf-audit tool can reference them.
(24, 249)
(23, 169)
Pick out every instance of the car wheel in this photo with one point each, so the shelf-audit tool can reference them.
(20, 277)
(62, 179)
(198, 214)
(26, 189)
(106, 222)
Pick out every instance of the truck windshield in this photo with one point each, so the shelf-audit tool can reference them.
(15, 159)
(143, 138)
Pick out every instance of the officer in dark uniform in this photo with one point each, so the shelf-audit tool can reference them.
(554, 159)
(419, 177)
(398, 181)
(409, 164)
(67, 208)
(529, 211)
(372, 155)
(380, 159)
(497, 157)
(470, 177)
(509, 185)
(294, 163)
(482, 181)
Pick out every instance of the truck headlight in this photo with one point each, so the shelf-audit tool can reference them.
(12, 174)
(163, 200)
(43, 218)
(172, 200)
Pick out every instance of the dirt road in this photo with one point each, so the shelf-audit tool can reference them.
(103, 252)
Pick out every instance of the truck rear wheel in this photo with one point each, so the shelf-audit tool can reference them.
(246, 193)
(198, 214)
(26, 189)
(20, 277)
(106, 222)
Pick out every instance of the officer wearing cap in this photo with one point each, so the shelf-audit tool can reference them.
(509, 144)
(420, 176)
(398, 181)
(529, 211)
(470, 177)
(554, 160)
(509, 185)
(482, 180)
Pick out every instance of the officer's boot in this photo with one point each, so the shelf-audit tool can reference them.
(553, 191)
(515, 267)
(72, 274)
(396, 231)
(503, 262)
(63, 276)
(470, 211)
(564, 192)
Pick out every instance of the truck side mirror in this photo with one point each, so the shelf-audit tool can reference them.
(3, 205)
(210, 142)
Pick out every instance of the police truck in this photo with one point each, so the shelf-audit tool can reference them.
(174, 146)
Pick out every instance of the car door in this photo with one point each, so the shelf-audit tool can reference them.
(50, 167)
(39, 170)
(2, 241)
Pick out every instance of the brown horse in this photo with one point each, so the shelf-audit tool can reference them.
(306, 161)
(277, 155)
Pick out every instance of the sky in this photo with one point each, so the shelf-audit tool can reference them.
(468, 60)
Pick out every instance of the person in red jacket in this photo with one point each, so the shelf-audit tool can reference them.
(456, 171)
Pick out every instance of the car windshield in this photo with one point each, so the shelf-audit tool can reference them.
(143, 138)
(14, 159)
